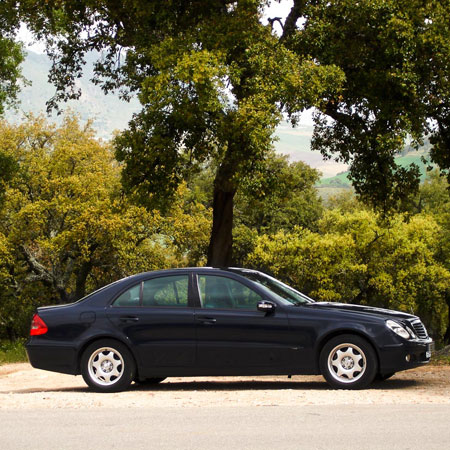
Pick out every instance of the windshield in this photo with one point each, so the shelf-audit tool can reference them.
(284, 293)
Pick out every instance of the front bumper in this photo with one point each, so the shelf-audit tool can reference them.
(405, 355)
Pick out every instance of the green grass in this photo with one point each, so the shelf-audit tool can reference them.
(441, 357)
(11, 352)
(443, 360)
(341, 180)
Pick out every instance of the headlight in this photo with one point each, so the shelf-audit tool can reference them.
(411, 332)
(398, 329)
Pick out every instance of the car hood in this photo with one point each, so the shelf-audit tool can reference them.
(386, 313)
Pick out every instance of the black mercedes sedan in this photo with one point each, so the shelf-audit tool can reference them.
(208, 321)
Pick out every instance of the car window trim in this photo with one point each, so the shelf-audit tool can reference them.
(166, 306)
(222, 275)
(190, 304)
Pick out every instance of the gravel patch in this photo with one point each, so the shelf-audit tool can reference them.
(22, 387)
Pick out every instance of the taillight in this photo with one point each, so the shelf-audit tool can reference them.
(38, 326)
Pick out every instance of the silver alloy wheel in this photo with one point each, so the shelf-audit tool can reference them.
(347, 363)
(105, 366)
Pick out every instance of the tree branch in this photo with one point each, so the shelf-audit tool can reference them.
(291, 20)
(331, 110)
(40, 272)
(275, 19)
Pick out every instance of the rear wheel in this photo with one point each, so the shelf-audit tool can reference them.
(348, 362)
(108, 366)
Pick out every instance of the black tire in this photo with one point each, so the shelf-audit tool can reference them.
(385, 376)
(150, 381)
(348, 362)
(108, 366)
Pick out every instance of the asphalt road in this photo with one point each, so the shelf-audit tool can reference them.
(267, 427)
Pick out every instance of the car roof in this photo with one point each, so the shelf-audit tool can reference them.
(238, 270)
(232, 270)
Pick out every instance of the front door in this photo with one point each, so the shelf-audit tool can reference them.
(233, 337)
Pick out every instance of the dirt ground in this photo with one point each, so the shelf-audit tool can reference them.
(22, 387)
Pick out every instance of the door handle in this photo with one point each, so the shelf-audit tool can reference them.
(206, 320)
(129, 318)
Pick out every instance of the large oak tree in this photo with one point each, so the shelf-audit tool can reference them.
(214, 82)
(212, 79)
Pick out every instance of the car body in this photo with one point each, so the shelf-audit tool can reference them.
(210, 321)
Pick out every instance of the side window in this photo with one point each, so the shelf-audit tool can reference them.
(166, 291)
(129, 298)
(225, 293)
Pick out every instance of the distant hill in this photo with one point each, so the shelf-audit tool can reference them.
(408, 156)
(296, 143)
(108, 112)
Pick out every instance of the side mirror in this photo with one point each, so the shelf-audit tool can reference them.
(266, 306)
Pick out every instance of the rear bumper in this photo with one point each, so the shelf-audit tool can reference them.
(53, 357)
(405, 355)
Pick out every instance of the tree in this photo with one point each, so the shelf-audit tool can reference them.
(212, 79)
(280, 195)
(396, 58)
(356, 257)
(434, 199)
(11, 54)
(287, 198)
(64, 229)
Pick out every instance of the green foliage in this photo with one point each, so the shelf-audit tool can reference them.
(190, 116)
(212, 79)
(280, 195)
(12, 351)
(187, 227)
(440, 360)
(395, 56)
(11, 55)
(287, 197)
(65, 227)
(357, 257)
(214, 82)
(434, 199)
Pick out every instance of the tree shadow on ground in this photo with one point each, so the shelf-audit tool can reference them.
(232, 386)
(254, 385)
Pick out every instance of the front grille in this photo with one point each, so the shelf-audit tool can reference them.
(419, 329)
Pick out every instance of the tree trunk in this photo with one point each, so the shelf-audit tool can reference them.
(221, 241)
(447, 333)
(81, 277)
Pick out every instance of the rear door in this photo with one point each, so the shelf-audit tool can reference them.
(156, 317)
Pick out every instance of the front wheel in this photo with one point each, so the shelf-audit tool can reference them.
(348, 362)
(108, 366)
